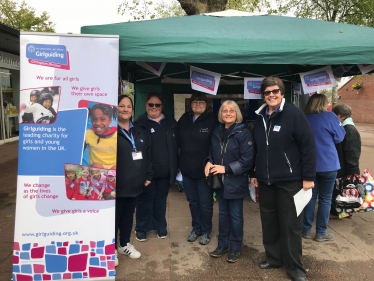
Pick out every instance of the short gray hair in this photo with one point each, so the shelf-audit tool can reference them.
(343, 110)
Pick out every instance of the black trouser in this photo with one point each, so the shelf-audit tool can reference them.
(125, 208)
(281, 228)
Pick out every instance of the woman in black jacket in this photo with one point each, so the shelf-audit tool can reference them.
(134, 173)
(151, 207)
(231, 156)
(195, 134)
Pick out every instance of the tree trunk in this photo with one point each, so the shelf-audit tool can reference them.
(194, 7)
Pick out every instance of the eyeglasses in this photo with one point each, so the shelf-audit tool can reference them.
(154, 105)
(267, 93)
(231, 111)
(198, 102)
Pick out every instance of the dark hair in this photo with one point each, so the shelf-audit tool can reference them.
(343, 110)
(45, 96)
(121, 97)
(200, 97)
(35, 93)
(271, 81)
(151, 95)
(108, 110)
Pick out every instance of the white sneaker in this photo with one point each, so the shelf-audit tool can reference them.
(116, 260)
(129, 250)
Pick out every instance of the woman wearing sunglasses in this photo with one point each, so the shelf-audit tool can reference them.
(285, 163)
(195, 133)
(162, 129)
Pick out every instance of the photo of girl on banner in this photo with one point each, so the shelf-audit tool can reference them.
(39, 105)
(87, 183)
(101, 135)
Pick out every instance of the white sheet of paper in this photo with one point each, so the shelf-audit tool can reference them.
(301, 199)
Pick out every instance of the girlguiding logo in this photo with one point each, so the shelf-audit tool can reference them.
(48, 55)
(254, 87)
(317, 79)
(203, 80)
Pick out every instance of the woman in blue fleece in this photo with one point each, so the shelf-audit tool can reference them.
(327, 131)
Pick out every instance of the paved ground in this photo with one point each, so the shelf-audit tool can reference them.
(349, 257)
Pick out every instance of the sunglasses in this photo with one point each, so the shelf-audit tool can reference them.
(267, 93)
(154, 105)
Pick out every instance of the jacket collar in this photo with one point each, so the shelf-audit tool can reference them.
(262, 107)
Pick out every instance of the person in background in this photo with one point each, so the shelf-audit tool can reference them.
(195, 134)
(134, 174)
(285, 163)
(231, 157)
(163, 131)
(349, 150)
(327, 131)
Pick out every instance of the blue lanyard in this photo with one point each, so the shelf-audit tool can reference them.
(130, 138)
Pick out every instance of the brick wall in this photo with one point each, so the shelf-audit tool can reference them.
(362, 100)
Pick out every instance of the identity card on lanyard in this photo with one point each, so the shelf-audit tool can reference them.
(136, 155)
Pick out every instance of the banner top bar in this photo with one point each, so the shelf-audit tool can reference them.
(68, 34)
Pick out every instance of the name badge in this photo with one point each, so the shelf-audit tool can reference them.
(277, 128)
(137, 155)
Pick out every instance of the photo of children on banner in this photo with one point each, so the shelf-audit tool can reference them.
(88, 183)
(39, 105)
(100, 146)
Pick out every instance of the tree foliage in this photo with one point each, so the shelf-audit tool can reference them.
(359, 12)
(168, 10)
(23, 17)
(138, 9)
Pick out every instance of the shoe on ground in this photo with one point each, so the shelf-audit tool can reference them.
(219, 251)
(141, 236)
(116, 259)
(265, 265)
(306, 235)
(233, 256)
(162, 234)
(298, 279)
(324, 238)
(205, 239)
(129, 250)
(193, 236)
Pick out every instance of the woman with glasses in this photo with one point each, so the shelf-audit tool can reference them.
(231, 157)
(195, 133)
(285, 163)
(151, 207)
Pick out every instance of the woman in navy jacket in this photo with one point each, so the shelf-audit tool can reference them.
(285, 163)
(231, 156)
(163, 131)
(195, 134)
(134, 173)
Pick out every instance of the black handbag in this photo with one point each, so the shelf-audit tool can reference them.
(213, 181)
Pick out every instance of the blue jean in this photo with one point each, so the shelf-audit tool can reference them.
(323, 188)
(151, 207)
(230, 223)
(200, 199)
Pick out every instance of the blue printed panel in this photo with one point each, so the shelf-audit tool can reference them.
(44, 148)
(47, 53)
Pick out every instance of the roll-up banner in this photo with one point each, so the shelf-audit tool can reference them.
(66, 182)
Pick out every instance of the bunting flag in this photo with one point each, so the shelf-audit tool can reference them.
(204, 81)
(154, 67)
(318, 79)
(252, 87)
